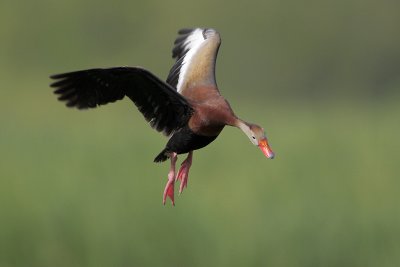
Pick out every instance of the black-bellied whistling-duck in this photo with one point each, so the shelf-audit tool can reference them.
(187, 107)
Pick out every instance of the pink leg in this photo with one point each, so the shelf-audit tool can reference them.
(169, 187)
(183, 173)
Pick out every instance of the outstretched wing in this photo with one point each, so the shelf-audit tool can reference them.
(160, 104)
(195, 51)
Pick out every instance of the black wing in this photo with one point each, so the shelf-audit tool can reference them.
(160, 104)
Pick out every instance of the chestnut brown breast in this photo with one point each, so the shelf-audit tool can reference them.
(211, 111)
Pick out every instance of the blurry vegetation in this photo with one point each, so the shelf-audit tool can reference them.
(80, 188)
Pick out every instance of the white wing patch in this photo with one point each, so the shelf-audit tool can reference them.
(191, 45)
(187, 45)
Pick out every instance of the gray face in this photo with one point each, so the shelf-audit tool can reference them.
(257, 134)
(258, 138)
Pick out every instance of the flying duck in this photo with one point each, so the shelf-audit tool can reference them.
(188, 107)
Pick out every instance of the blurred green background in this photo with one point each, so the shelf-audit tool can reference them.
(79, 188)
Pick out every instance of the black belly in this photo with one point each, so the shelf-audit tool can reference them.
(184, 141)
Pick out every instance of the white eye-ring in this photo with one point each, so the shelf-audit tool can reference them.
(254, 138)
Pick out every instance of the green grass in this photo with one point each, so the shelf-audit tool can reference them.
(80, 189)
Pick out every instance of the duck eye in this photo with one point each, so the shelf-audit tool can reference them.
(254, 138)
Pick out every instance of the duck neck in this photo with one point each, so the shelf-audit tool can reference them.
(244, 126)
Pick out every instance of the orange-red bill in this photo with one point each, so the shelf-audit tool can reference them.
(263, 145)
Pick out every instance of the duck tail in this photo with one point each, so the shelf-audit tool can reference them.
(163, 156)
